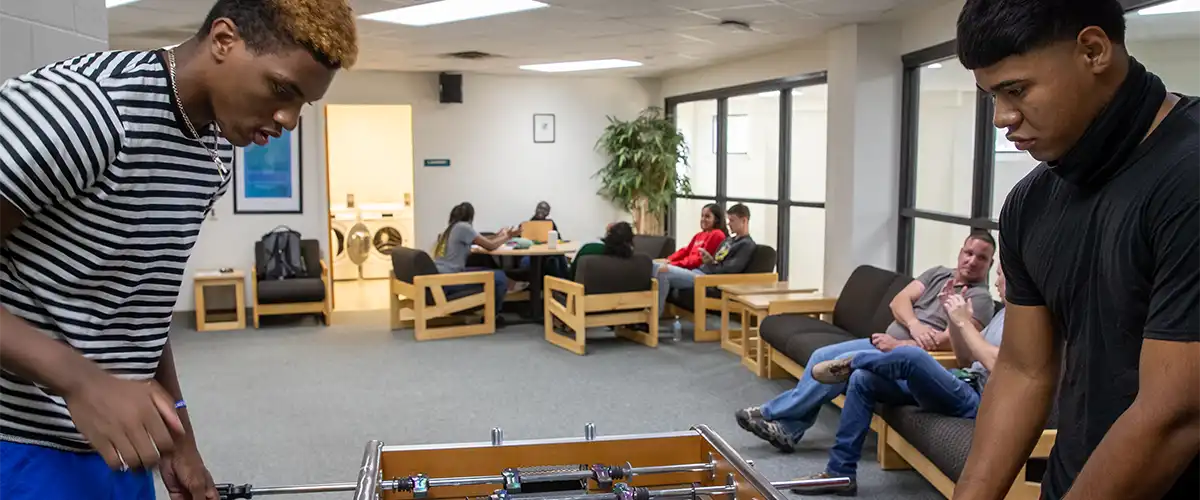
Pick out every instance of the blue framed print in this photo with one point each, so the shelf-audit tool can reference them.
(266, 179)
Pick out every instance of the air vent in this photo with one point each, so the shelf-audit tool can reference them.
(473, 55)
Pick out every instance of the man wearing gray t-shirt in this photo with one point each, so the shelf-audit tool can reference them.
(907, 376)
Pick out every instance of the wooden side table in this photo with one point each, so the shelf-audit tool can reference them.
(212, 279)
(732, 340)
(757, 307)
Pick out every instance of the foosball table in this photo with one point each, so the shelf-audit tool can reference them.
(696, 465)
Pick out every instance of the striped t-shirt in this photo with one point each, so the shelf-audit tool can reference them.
(94, 151)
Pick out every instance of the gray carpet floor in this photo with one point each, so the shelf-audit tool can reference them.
(295, 402)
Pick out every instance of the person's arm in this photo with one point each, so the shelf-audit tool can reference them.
(494, 242)
(683, 252)
(965, 337)
(693, 260)
(1146, 449)
(1025, 376)
(902, 304)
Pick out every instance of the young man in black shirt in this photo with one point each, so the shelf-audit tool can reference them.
(1099, 245)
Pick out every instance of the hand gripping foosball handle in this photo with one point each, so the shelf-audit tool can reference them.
(234, 492)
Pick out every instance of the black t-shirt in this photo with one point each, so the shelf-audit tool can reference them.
(1115, 263)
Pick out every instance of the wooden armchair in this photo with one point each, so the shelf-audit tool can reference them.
(705, 298)
(608, 291)
(416, 285)
(306, 294)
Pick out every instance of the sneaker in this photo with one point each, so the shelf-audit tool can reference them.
(519, 286)
(747, 417)
(848, 490)
(774, 433)
(834, 371)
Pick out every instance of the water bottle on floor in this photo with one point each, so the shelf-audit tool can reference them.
(677, 330)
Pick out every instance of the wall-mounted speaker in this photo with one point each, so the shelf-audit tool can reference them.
(450, 88)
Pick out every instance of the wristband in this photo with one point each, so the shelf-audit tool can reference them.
(181, 404)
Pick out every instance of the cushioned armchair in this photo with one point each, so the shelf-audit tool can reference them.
(306, 294)
(705, 298)
(607, 291)
(417, 286)
(657, 247)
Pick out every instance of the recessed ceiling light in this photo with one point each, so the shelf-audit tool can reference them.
(1175, 7)
(117, 3)
(935, 66)
(448, 11)
(581, 65)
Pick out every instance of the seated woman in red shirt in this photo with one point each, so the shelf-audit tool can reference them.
(713, 231)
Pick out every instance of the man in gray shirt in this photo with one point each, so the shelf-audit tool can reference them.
(907, 375)
(920, 321)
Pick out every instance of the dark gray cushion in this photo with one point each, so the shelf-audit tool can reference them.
(763, 260)
(863, 306)
(602, 274)
(291, 291)
(408, 263)
(657, 247)
(945, 441)
(797, 336)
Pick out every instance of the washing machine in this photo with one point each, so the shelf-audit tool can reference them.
(343, 267)
(390, 226)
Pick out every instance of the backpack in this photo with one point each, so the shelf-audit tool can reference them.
(281, 247)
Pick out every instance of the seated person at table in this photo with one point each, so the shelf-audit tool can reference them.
(920, 321)
(592, 248)
(908, 376)
(712, 232)
(731, 257)
(454, 246)
(554, 265)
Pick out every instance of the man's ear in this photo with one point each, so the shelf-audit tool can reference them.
(223, 37)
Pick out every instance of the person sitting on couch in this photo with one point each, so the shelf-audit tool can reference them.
(920, 320)
(908, 375)
(713, 231)
(731, 257)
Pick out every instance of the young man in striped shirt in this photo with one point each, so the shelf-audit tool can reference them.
(108, 164)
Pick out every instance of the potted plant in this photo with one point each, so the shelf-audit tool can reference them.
(642, 175)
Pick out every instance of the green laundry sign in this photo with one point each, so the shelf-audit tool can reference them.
(437, 162)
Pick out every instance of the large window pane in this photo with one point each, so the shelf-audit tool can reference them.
(1011, 166)
(753, 146)
(937, 244)
(809, 115)
(1169, 45)
(764, 223)
(687, 219)
(695, 121)
(806, 254)
(945, 138)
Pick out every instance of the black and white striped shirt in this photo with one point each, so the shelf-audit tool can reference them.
(94, 152)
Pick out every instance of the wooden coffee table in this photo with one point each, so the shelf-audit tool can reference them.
(732, 340)
(757, 307)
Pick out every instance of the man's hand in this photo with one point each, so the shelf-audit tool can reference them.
(885, 342)
(958, 309)
(706, 257)
(130, 423)
(924, 335)
(186, 477)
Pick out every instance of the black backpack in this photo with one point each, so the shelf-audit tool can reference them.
(281, 247)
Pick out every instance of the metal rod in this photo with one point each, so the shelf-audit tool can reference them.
(310, 488)
(465, 481)
(752, 475)
(497, 436)
(811, 483)
(664, 469)
(368, 476)
(589, 431)
(728, 489)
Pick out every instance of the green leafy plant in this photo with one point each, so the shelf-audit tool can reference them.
(642, 174)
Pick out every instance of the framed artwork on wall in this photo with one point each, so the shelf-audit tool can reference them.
(266, 179)
(543, 128)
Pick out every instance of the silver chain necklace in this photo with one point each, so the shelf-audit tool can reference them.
(221, 168)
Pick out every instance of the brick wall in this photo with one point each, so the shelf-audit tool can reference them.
(34, 33)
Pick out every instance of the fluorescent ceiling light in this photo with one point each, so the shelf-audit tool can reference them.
(1174, 7)
(448, 11)
(935, 66)
(581, 65)
(117, 3)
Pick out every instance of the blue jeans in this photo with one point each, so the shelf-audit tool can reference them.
(40, 473)
(673, 278)
(905, 376)
(796, 410)
(501, 286)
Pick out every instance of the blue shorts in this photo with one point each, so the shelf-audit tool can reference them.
(39, 473)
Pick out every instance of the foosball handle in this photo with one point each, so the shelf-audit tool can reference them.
(234, 492)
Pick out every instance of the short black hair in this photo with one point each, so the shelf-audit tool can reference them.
(984, 236)
(619, 240)
(739, 210)
(324, 27)
(991, 30)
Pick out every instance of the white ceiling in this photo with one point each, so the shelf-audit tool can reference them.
(665, 35)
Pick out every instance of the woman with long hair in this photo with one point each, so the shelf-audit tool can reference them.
(454, 246)
(713, 231)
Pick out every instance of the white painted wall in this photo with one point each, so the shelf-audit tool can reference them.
(34, 33)
(926, 29)
(804, 57)
(495, 164)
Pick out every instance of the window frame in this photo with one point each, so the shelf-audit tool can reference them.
(782, 201)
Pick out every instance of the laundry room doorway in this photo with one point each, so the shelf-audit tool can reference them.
(369, 169)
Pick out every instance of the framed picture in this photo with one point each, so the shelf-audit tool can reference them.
(266, 179)
(543, 128)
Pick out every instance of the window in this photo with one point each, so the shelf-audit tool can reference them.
(756, 152)
(806, 253)
(1010, 168)
(945, 137)
(693, 120)
(753, 160)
